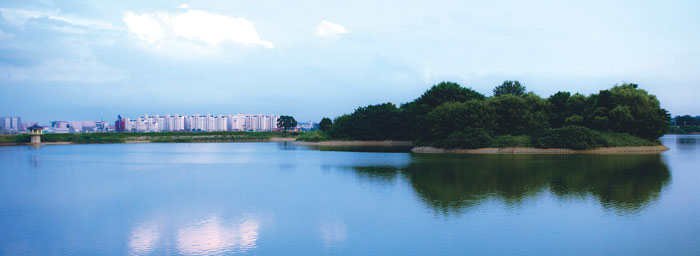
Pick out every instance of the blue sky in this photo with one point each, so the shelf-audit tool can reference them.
(88, 60)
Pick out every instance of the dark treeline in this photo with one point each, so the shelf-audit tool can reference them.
(451, 116)
(685, 124)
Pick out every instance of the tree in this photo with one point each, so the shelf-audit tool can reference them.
(637, 112)
(286, 122)
(686, 120)
(413, 113)
(557, 109)
(325, 125)
(456, 116)
(509, 87)
(375, 122)
(513, 115)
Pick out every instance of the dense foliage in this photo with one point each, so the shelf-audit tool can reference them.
(509, 87)
(685, 124)
(448, 115)
(286, 122)
(325, 125)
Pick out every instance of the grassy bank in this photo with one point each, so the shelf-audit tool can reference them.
(568, 137)
(684, 129)
(314, 137)
(161, 137)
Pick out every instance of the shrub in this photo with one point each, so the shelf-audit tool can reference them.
(313, 136)
(512, 141)
(469, 138)
(572, 136)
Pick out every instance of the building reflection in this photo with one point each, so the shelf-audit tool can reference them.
(144, 238)
(453, 184)
(209, 236)
(215, 236)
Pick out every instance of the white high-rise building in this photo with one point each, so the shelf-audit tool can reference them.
(204, 123)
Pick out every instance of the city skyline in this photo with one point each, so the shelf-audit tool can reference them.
(157, 123)
(87, 60)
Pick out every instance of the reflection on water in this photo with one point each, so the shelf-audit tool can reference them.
(455, 183)
(282, 199)
(687, 143)
(387, 149)
(144, 238)
(207, 236)
(333, 233)
(214, 236)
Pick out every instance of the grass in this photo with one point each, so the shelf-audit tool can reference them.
(571, 137)
(684, 129)
(314, 136)
(158, 137)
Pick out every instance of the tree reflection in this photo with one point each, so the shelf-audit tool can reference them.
(455, 183)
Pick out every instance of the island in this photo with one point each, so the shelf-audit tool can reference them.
(449, 118)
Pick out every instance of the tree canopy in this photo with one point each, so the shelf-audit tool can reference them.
(286, 122)
(509, 87)
(325, 125)
(450, 115)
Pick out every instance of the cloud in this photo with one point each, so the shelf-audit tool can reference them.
(183, 6)
(193, 25)
(330, 30)
(19, 17)
(147, 27)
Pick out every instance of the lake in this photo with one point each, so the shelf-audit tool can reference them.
(278, 198)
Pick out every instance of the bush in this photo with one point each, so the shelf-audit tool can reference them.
(572, 136)
(512, 141)
(22, 138)
(469, 138)
(313, 136)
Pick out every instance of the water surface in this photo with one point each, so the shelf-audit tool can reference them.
(279, 198)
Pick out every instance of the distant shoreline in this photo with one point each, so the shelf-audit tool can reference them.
(423, 150)
(384, 143)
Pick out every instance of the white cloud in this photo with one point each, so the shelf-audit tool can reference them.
(183, 6)
(146, 26)
(330, 30)
(193, 25)
(19, 17)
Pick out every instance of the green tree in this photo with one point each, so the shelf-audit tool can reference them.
(373, 122)
(575, 105)
(509, 87)
(513, 115)
(686, 120)
(342, 126)
(456, 116)
(557, 109)
(413, 114)
(286, 122)
(636, 112)
(325, 125)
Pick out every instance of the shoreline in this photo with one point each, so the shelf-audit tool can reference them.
(273, 139)
(383, 143)
(420, 150)
(551, 151)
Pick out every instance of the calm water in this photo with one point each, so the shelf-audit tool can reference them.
(282, 199)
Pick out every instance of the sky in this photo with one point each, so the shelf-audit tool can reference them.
(93, 60)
